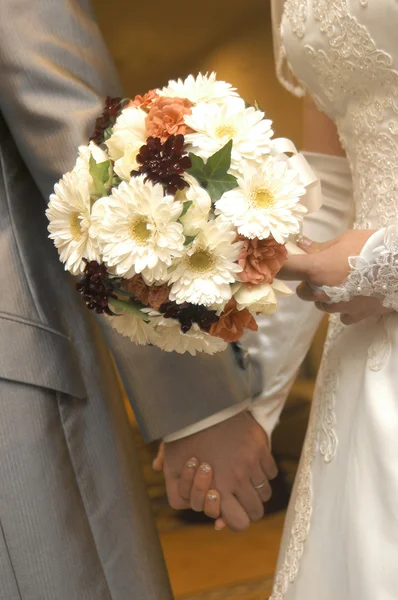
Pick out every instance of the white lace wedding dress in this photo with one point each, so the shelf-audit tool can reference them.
(341, 534)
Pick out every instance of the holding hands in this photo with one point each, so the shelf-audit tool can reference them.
(227, 475)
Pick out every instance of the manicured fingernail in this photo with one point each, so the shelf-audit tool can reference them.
(212, 497)
(303, 241)
(205, 469)
(192, 463)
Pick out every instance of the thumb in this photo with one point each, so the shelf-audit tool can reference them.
(158, 463)
(297, 267)
(311, 247)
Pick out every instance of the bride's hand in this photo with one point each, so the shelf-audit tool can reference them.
(327, 264)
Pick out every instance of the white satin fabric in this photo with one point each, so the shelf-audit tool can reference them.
(341, 533)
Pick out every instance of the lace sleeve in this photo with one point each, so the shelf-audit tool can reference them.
(373, 273)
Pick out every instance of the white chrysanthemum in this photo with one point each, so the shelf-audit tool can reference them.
(260, 299)
(267, 202)
(209, 266)
(133, 327)
(129, 135)
(69, 215)
(215, 125)
(82, 166)
(138, 229)
(170, 338)
(198, 213)
(203, 88)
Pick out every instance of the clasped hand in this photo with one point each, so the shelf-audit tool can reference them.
(327, 265)
(216, 471)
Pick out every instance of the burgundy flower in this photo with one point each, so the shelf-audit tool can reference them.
(188, 314)
(96, 288)
(164, 163)
(111, 111)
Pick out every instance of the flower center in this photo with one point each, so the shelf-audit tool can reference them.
(75, 226)
(140, 231)
(201, 261)
(228, 131)
(262, 198)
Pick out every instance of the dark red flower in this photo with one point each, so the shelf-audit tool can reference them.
(96, 288)
(188, 314)
(164, 163)
(112, 109)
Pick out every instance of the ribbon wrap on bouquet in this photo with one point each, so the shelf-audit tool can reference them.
(283, 149)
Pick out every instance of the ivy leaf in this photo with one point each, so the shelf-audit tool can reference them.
(198, 169)
(102, 174)
(213, 175)
(187, 206)
(220, 161)
(220, 183)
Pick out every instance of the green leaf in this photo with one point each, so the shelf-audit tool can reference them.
(102, 174)
(213, 175)
(198, 169)
(131, 307)
(189, 239)
(108, 132)
(187, 206)
(220, 161)
(221, 183)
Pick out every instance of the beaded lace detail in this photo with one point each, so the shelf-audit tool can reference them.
(378, 277)
(357, 86)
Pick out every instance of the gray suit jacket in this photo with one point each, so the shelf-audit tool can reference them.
(55, 72)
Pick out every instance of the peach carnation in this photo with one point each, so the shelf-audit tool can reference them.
(166, 117)
(232, 323)
(153, 296)
(261, 260)
(145, 101)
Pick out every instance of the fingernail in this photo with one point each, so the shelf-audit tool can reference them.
(212, 497)
(205, 469)
(192, 463)
(218, 527)
(303, 241)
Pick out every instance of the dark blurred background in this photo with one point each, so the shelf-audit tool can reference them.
(151, 43)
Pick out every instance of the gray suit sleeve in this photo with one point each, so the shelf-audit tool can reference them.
(55, 72)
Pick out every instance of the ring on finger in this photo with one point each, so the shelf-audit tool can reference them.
(260, 486)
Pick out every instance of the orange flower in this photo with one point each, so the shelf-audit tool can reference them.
(153, 296)
(232, 323)
(138, 288)
(261, 260)
(166, 117)
(144, 101)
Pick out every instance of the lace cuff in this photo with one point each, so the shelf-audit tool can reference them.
(374, 272)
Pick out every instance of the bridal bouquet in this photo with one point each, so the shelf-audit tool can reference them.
(176, 215)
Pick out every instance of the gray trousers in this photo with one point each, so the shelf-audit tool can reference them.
(75, 523)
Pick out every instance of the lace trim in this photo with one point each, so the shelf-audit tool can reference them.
(322, 438)
(378, 278)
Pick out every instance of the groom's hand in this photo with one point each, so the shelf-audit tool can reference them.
(238, 452)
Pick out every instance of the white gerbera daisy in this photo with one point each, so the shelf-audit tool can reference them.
(129, 135)
(266, 201)
(82, 166)
(215, 125)
(209, 266)
(139, 231)
(170, 338)
(69, 215)
(133, 327)
(203, 88)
